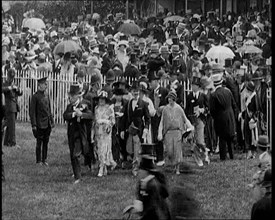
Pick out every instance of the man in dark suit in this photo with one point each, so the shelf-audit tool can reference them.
(41, 120)
(158, 96)
(196, 107)
(133, 128)
(222, 107)
(11, 92)
(77, 114)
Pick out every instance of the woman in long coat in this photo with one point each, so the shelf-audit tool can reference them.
(104, 121)
(171, 128)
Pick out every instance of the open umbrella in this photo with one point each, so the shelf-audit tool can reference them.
(33, 23)
(173, 18)
(219, 54)
(250, 49)
(67, 46)
(129, 28)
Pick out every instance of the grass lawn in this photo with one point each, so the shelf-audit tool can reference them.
(38, 192)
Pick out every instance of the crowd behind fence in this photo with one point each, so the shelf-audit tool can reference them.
(58, 88)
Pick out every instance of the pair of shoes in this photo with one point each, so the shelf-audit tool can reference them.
(207, 160)
(160, 163)
(77, 181)
(45, 164)
(39, 163)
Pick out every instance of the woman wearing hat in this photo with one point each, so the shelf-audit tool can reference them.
(121, 53)
(250, 121)
(67, 67)
(171, 128)
(104, 121)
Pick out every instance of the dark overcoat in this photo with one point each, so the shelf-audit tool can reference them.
(78, 128)
(221, 109)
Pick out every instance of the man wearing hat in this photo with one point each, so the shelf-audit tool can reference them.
(11, 92)
(135, 124)
(41, 120)
(262, 209)
(77, 114)
(164, 54)
(110, 79)
(155, 62)
(196, 109)
(158, 96)
(222, 108)
(131, 69)
(152, 191)
(43, 66)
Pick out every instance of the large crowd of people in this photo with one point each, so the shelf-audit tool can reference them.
(110, 120)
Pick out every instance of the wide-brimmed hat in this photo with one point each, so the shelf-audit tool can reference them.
(250, 86)
(172, 95)
(85, 57)
(257, 76)
(93, 43)
(263, 141)
(194, 51)
(121, 81)
(267, 181)
(30, 55)
(217, 68)
(119, 91)
(141, 41)
(75, 90)
(123, 42)
(217, 79)
(102, 94)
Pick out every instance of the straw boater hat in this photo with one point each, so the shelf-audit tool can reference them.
(30, 55)
(217, 79)
(123, 42)
(164, 49)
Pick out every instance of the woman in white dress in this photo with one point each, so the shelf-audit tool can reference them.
(104, 121)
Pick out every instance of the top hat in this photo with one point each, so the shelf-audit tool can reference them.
(143, 68)
(135, 85)
(110, 47)
(155, 48)
(228, 62)
(75, 90)
(133, 57)
(175, 40)
(42, 80)
(121, 81)
(148, 150)
(175, 48)
(123, 37)
(267, 181)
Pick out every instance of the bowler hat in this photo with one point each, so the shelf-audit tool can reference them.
(118, 91)
(263, 141)
(42, 80)
(110, 75)
(257, 76)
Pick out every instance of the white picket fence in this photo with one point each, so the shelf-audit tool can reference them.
(58, 88)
